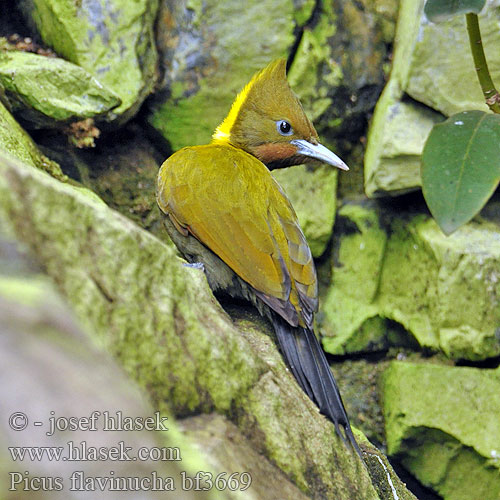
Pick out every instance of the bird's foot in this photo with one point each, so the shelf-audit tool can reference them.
(195, 265)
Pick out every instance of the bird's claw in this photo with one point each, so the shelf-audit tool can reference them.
(195, 265)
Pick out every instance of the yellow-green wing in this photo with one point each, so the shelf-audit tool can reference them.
(301, 264)
(230, 202)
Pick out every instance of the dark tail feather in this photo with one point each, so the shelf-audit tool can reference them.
(308, 363)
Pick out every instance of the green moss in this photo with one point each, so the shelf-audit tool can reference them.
(411, 387)
(443, 441)
(312, 56)
(442, 290)
(454, 471)
(51, 167)
(406, 34)
(469, 282)
(351, 185)
(27, 291)
(351, 319)
(359, 383)
(409, 279)
(196, 6)
(304, 11)
(161, 322)
(49, 18)
(191, 118)
(39, 332)
(387, 14)
(177, 91)
(109, 40)
(126, 177)
(276, 414)
(135, 327)
(385, 480)
(48, 90)
(190, 121)
(17, 143)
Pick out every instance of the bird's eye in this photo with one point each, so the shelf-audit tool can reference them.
(284, 128)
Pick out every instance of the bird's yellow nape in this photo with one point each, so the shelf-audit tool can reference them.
(274, 70)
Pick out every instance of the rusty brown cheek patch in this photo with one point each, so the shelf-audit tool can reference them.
(271, 152)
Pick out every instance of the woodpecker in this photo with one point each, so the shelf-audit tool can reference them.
(224, 209)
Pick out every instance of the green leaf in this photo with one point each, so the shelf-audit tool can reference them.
(441, 10)
(461, 167)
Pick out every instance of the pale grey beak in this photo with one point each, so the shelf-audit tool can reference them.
(318, 152)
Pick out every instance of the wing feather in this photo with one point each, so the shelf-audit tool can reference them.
(230, 202)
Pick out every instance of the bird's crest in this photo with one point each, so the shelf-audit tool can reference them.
(273, 74)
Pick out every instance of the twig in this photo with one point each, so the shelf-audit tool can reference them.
(489, 91)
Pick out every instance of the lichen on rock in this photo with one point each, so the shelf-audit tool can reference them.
(204, 65)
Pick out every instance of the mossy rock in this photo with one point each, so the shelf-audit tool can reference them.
(432, 77)
(111, 39)
(54, 358)
(50, 92)
(163, 325)
(15, 142)
(442, 423)
(442, 290)
(210, 50)
(442, 72)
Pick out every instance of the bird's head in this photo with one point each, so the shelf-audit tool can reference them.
(268, 121)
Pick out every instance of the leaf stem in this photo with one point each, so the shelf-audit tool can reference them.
(483, 74)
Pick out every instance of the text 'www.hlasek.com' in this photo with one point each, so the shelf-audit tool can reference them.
(62, 462)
